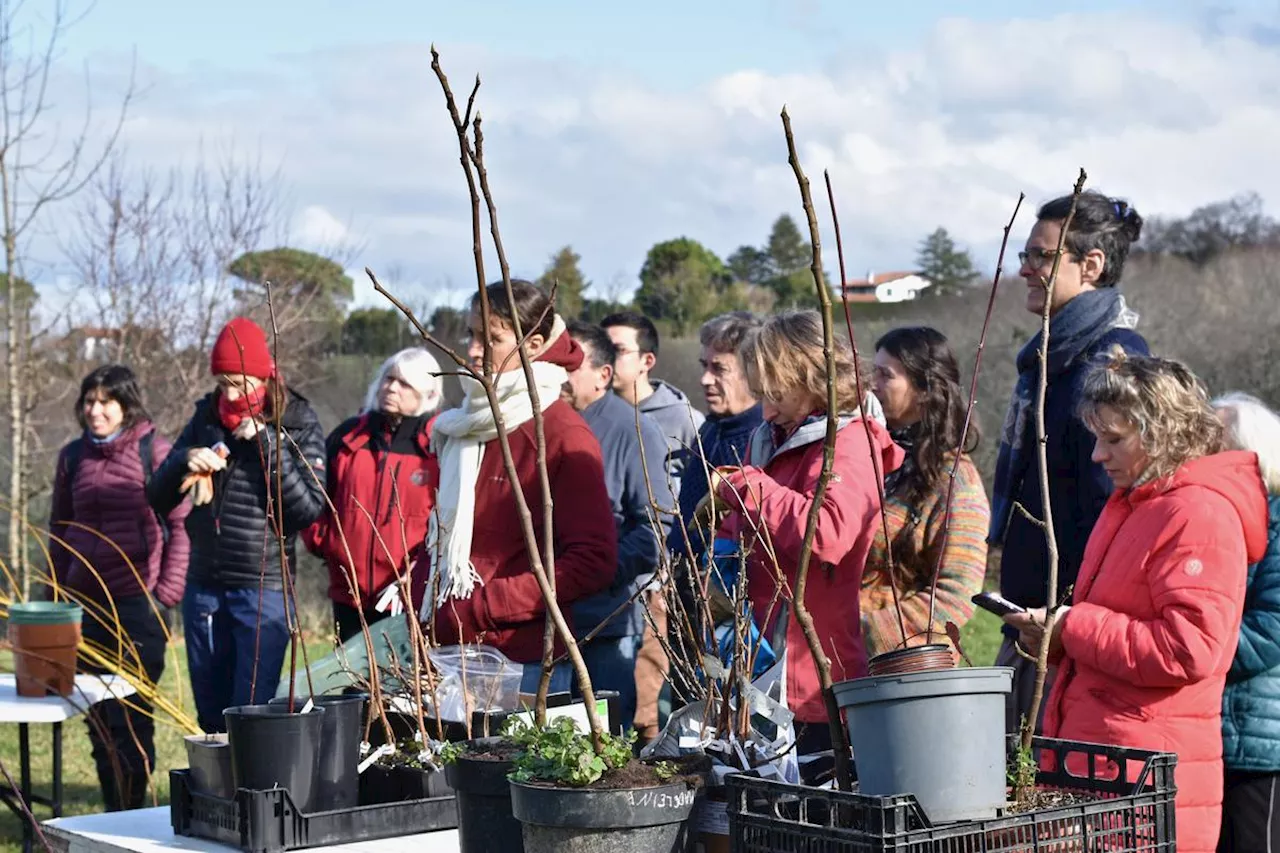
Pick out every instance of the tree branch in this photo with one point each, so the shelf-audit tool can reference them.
(839, 741)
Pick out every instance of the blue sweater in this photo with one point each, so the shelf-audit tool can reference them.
(1251, 701)
(613, 421)
(723, 442)
(1078, 487)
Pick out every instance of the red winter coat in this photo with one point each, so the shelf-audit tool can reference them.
(506, 611)
(108, 498)
(389, 477)
(1153, 626)
(778, 496)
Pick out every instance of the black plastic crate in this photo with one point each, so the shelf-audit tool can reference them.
(1119, 816)
(268, 821)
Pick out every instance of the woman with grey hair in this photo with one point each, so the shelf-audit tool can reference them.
(381, 480)
(1251, 701)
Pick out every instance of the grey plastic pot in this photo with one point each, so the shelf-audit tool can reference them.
(209, 760)
(573, 820)
(938, 735)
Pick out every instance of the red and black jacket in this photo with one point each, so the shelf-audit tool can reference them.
(381, 473)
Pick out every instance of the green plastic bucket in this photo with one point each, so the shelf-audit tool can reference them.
(45, 613)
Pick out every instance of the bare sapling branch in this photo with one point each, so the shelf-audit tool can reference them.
(968, 420)
(862, 413)
(1042, 444)
(473, 159)
(539, 432)
(839, 741)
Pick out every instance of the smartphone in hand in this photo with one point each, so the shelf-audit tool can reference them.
(994, 602)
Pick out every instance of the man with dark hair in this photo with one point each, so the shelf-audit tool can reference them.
(636, 341)
(1087, 317)
(611, 654)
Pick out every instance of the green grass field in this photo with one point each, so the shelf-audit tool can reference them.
(981, 639)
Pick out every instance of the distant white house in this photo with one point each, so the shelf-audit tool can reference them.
(886, 287)
(94, 343)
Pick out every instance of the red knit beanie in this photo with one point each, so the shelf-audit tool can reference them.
(242, 348)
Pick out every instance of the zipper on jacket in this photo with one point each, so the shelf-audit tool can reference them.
(380, 464)
(395, 482)
(222, 496)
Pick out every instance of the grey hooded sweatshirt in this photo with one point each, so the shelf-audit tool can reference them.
(679, 421)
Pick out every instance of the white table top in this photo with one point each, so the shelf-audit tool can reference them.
(90, 690)
(149, 831)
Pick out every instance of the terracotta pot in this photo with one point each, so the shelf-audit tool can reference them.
(45, 636)
(913, 659)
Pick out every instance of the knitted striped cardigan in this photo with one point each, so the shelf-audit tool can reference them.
(963, 567)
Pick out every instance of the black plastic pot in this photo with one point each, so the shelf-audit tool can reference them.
(485, 822)
(339, 777)
(271, 748)
(380, 784)
(575, 820)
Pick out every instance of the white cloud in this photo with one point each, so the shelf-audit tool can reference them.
(316, 226)
(947, 133)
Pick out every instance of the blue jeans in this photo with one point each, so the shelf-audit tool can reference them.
(611, 663)
(561, 678)
(221, 629)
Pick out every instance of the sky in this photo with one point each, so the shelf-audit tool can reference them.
(610, 127)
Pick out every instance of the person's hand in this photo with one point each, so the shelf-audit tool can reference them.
(1030, 627)
(204, 460)
(390, 602)
(200, 486)
(249, 427)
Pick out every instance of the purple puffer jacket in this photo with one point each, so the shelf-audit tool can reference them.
(108, 498)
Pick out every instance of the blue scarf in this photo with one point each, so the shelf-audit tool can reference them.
(1073, 331)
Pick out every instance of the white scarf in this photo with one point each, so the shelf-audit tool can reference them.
(458, 439)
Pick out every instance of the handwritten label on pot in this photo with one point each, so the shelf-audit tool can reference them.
(660, 799)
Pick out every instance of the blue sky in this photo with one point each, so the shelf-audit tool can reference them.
(669, 42)
(613, 126)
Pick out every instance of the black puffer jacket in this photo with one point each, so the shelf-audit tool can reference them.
(233, 540)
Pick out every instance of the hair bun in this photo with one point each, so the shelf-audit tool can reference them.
(1130, 221)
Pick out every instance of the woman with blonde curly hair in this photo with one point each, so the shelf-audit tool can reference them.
(770, 497)
(1145, 646)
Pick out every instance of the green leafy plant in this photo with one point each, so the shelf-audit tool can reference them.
(665, 771)
(562, 754)
(1022, 773)
(451, 752)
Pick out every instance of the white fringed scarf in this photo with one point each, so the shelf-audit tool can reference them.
(458, 439)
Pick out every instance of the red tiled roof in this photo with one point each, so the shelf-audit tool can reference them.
(878, 278)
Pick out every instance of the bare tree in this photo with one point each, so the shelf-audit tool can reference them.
(151, 253)
(39, 168)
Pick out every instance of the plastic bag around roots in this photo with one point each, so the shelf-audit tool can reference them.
(772, 732)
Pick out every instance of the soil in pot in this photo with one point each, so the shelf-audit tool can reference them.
(479, 779)
(272, 748)
(45, 636)
(338, 785)
(606, 816)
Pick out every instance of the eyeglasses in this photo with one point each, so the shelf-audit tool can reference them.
(1037, 258)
